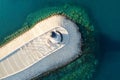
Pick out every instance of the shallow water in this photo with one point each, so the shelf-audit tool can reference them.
(104, 15)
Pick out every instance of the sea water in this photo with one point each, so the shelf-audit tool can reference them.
(105, 15)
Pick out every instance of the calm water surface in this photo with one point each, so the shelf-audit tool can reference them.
(105, 15)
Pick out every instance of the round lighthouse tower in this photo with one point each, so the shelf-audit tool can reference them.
(56, 37)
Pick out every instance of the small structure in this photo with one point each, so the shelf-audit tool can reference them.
(56, 37)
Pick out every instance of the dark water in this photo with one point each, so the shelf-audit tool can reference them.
(105, 15)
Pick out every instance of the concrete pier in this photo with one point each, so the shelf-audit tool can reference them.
(31, 53)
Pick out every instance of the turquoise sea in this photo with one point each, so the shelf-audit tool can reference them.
(105, 15)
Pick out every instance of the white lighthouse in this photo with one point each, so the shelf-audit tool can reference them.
(56, 37)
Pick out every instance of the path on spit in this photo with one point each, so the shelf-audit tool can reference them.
(34, 56)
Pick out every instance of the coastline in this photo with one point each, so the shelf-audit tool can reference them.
(68, 53)
(79, 16)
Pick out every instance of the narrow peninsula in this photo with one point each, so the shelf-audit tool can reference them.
(52, 41)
